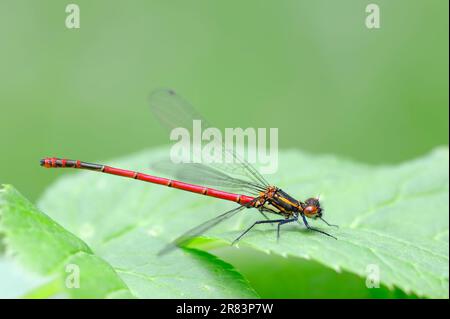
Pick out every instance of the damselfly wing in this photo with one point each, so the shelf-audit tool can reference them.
(175, 112)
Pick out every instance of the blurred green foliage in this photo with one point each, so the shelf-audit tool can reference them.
(310, 68)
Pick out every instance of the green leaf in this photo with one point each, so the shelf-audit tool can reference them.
(300, 278)
(393, 219)
(48, 249)
(45, 247)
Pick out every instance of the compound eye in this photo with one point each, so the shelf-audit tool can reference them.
(310, 211)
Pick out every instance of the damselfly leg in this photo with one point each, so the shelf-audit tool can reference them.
(290, 220)
(315, 229)
(279, 221)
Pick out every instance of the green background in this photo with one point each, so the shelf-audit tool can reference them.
(310, 68)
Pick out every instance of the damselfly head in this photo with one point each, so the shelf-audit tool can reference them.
(312, 209)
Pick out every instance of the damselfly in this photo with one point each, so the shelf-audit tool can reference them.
(247, 187)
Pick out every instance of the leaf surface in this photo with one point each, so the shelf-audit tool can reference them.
(124, 267)
(393, 219)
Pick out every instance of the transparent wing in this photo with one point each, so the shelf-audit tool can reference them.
(173, 111)
(204, 175)
(200, 229)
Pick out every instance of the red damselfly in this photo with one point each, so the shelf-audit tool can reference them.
(245, 185)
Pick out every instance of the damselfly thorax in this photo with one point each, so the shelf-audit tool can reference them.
(278, 202)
